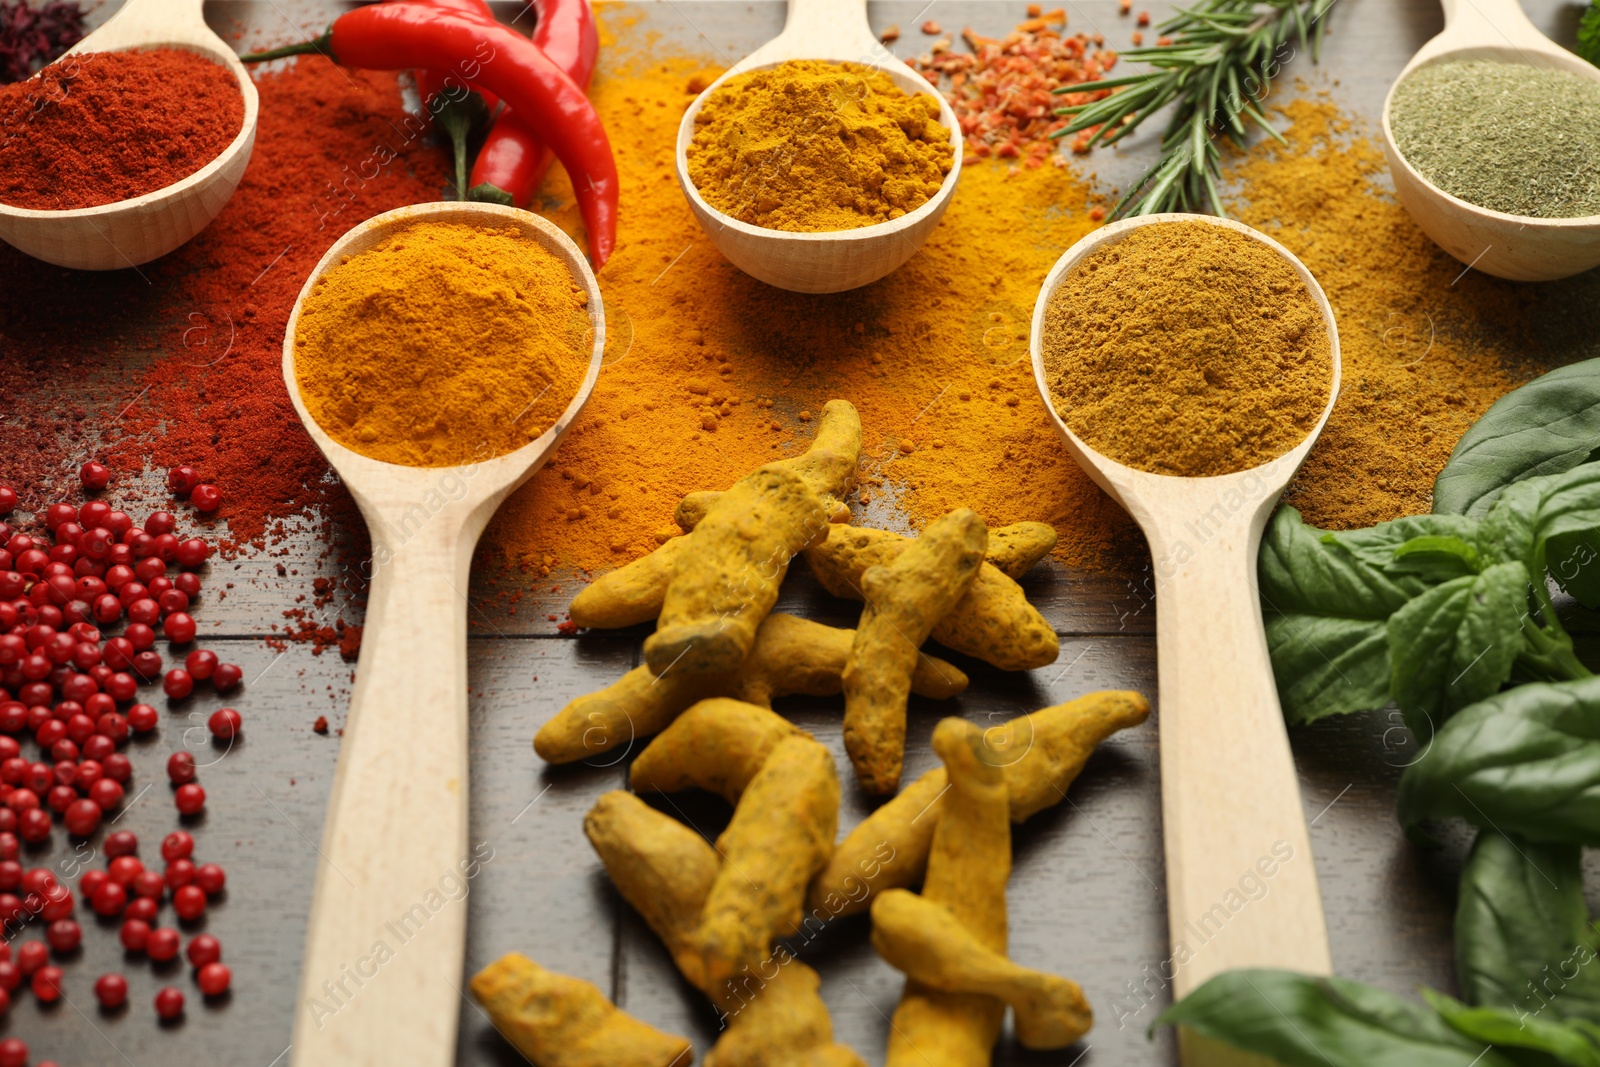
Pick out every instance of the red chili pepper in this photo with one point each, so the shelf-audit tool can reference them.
(493, 57)
(450, 104)
(513, 161)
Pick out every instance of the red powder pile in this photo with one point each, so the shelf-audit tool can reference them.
(100, 127)
(180, 362)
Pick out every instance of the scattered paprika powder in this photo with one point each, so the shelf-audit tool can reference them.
(443, 344)
(101, 127)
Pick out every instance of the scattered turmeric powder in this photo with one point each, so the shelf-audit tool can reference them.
(812, 145)
(557, 1021)
(1187, 348)
(444, 344)
(906, 598)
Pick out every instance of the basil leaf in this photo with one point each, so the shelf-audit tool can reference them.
(1376, 545)
(1305, 1021)
(1523, 939)
(1548, 426)
(1435, 557)
(1569, 1043)
(1507, 532)
(1570, 558)
(1526, 761)
(1570, 503)
(1455, 644)
(1325, 609)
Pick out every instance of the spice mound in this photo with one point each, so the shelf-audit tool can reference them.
(101, 127)
(1506, 136)
(443, 344)
(811, 146)
(1187, 349)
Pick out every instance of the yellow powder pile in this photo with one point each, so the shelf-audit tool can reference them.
(810, 145)
(443, 344)
(1187, 349)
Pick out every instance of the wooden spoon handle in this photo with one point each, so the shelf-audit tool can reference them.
(1241, 884)
(821, 29)
(382, 972)
(1500, 23)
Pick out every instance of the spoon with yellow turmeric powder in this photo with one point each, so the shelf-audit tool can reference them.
(1189, 363)
(436, 355)
(820, 162)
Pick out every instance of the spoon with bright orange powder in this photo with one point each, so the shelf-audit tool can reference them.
(396, 862)
(1172, 351)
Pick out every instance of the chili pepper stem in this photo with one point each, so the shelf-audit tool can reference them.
(320, 45)
(489, 193)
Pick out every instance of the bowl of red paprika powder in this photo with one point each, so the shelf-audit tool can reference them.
(128, 145)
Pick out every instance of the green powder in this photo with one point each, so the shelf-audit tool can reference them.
(1505, 136)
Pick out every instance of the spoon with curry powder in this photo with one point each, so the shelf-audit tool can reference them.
(825, 261)
(1189, 363)
(388, 902)
(1518, 247)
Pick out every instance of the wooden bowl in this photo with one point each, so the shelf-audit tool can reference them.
(1517, 247)
(135, 231)
(834, 260)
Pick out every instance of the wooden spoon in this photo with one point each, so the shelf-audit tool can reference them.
(1508, 246)
(395, 858)
(835, 260)
(131, 232)
(1230, 802)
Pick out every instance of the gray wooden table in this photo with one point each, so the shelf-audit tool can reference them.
(1086, 899)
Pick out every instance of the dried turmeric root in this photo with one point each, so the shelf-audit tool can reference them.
(718, 745)
(780, 835)
(1042, 754)
(726, 578)
(633, 593)
(557, 1021)
(693, 507)
(665, 871)
(994, 621)
(968, 867)
(629, 595)
(779, 1022)
(790, 656)
(905, 598)
(660, 866)
(1014, 549)
(924, 941)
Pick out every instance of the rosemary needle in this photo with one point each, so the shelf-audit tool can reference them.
(1221, 60)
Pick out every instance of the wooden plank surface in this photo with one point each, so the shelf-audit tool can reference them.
(1087, 895)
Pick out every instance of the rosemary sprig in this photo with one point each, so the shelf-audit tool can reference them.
(1222, 59)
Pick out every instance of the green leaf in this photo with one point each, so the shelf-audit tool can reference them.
(1455, 644)
(1571, 560)
(1325, 607)
(1523, 939)
(1507, 532)
(1436, 557)
(1526, 761)
(1589, 33)
(1304, 1021)
(1548, 426)
(1569, 1043)
(1376, 545)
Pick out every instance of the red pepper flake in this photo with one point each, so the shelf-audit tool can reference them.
(1162, 42)
(890, 35)
(1144, 18)
(1138, 38)
(321, 725)
(932, 28)
(1124, 6)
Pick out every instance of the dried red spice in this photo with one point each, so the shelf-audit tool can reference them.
(32, 36)
(1002, 90)
(107, 126)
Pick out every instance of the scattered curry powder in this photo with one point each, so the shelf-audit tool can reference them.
(443, 344)
(811, 145)
(1187, 349)
(709, 373)
(1425, 345)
